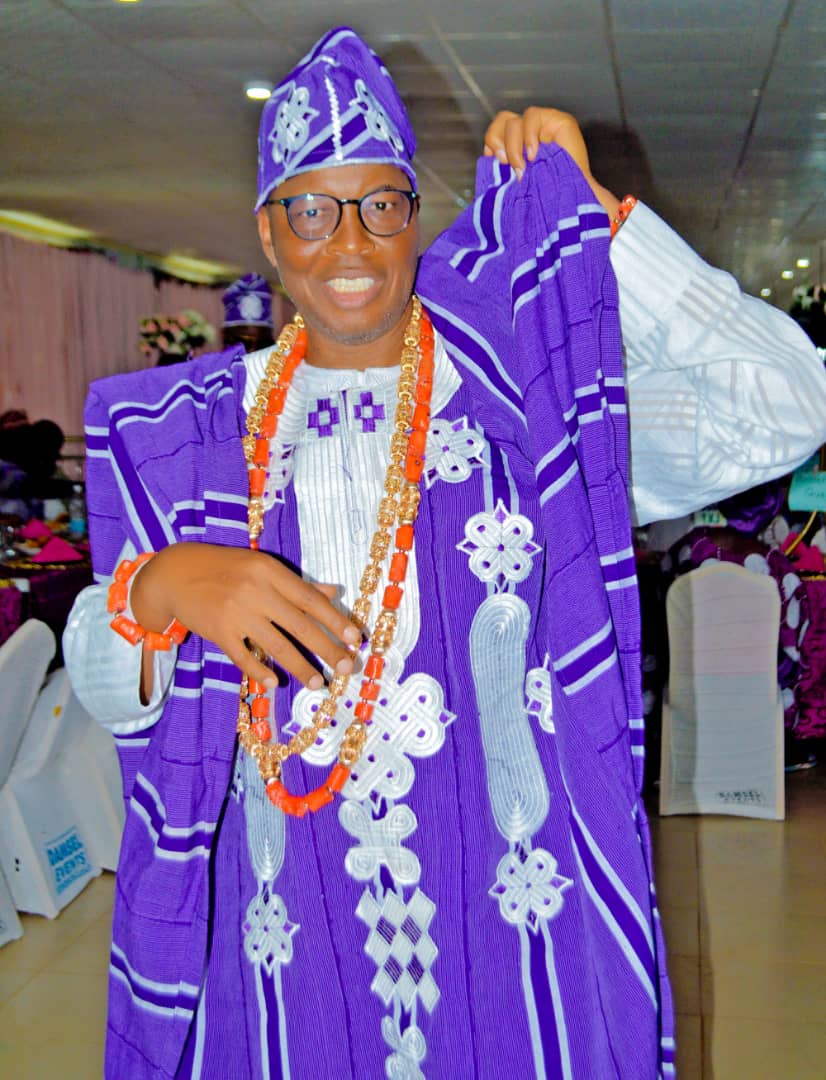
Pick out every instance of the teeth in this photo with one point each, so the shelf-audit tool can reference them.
(350, 285)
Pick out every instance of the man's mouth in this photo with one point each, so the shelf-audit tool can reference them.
(350, 285)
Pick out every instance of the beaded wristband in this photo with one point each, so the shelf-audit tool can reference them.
(623, 210)
(118, 600)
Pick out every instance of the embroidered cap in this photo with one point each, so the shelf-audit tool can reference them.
(338, 106)
(248, 302)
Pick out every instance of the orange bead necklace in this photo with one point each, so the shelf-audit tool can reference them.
(398, 509)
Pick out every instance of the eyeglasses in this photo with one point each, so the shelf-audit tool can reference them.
(384, 212)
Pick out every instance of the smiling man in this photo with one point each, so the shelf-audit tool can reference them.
(377, 693)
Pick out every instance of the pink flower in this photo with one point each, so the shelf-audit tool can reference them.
(149, 326)
(184, 321)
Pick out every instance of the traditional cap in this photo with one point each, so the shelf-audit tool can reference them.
(339, 106)
(248, 302)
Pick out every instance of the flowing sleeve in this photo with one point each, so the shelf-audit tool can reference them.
(724, 391)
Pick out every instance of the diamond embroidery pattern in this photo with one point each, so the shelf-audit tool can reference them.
(401, 948)
(367, 412)
(453, 450)
(292, 124)
(268, 932)
(500, 546)
(324, 418)
(528, 888)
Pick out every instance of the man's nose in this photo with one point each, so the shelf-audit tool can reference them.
(351, 235)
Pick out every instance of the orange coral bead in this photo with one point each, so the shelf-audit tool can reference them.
(276, 792)
(117, 596)
(364, 711)
(318, 798)
(338, 777)
(126, 569)
(421, 418)
(294, 805)
(413, 468)
(260, 707)
(262, 452)
(157, 642)
(255, 687)
(276, 399)
(269, 425)
(258, 478)
(404, 537)
(392, 597)
(398, 567)
(369, 690)
(374, 667)
(261, 730)
(127, 629)
(416, 442)
(177, 631)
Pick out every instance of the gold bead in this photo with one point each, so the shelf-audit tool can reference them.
(398, 445)
(328, 707)
(370, 579)
(361, 612)
(386, 516)
(380, 546)
(394, 480)
(338, 684)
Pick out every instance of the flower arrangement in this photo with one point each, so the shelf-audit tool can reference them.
(174, 335)
(809, 310)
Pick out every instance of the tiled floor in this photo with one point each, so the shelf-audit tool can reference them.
(744, 909)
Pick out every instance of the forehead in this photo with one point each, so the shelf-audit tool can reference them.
(344, 181)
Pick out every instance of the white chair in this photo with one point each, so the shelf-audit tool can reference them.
(44, 854)
(722, 730)
(61, 731)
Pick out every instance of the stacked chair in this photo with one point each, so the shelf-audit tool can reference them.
(722, 735)
(60, 802)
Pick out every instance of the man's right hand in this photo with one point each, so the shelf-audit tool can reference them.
(228, 595)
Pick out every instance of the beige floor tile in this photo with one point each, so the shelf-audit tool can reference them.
(783, 993)
(89, 954)
(738, 1049)
(741, 936)
(681, 926)
(11, 981)
(685, 984)
(689, 1059)
(49, 1060)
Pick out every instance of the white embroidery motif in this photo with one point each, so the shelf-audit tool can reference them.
(410, 1050)
(378, 123)
(529, 888)
(380, 842)
(538, 693)
(251, 307)
(500, 546)
(268, 932)
(401, 948)
(292, 124)
(453, 449)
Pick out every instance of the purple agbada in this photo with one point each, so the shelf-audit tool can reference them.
(493, 914)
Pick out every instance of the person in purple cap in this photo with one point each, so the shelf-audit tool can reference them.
(247, 313)
(377, 694)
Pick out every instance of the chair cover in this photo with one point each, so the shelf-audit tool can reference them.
(722, 739)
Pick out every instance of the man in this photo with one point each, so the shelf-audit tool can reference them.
(473, 896)
(247, 313)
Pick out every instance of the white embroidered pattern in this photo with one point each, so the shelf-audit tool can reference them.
(291, 128)
(268, 932)
(528, 887)
(539, 697)
(500, 546)
(251, 307)
(453, 450)
(378, 123)
(380, 842)
(401, 947)
(410, 1049)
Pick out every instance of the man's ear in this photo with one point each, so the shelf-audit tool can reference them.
(265, 236)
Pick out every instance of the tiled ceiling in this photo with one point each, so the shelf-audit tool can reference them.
(129, 119)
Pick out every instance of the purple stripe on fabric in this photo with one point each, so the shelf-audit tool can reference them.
(197, 839)
(619, 570)
(185, 678)
(615, 395)
(127, 737)
(631, 929)
(567, 238)
(276, 1066)
(589, 403)
(499, 479)
(556, 468)
(130, 410)
(477, 356)
(144, 509)
(175, 998)
(551, 1051)
(226, 511)
(489, 244)
(580, 667)
(96, 442)
(189, 516)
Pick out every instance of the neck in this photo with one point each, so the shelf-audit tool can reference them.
(383, 349)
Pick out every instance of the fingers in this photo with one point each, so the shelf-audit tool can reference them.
(313, 601)
(513, 139)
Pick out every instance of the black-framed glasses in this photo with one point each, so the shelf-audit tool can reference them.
(383, 212)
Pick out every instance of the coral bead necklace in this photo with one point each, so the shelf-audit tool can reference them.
(398, 509)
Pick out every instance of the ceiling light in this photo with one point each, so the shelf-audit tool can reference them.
(803, 264)
(821, 116)
(259, 90)
(787, 275)
(765, 293)
(43, 229)
(201, 271)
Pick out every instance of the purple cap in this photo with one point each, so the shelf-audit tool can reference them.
(248, 302)
(338, 106)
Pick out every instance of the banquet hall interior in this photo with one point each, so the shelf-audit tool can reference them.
(127, 180)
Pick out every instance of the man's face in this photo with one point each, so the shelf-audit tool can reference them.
(352, 288)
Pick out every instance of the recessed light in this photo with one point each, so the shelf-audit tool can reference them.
(787, 275)
(765, 293)
(821, 116)
(259, 90)
(803, 264)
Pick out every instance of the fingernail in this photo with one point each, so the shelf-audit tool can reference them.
(352, 634)
(315, 682)
(502, 156)
(344, 666)
(519, 173)
(270, 683)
